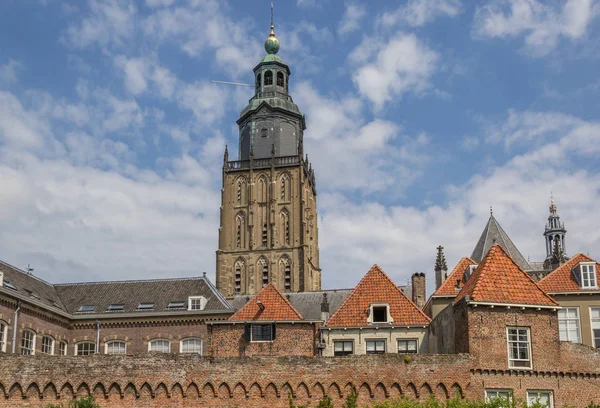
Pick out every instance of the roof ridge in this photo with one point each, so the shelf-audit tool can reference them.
(402, 293)
(129, 281)
(454, 270)
(17, 269)
(504, 234)
(560, 268)
(285, 299)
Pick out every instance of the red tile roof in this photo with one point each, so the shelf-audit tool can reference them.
(498, 279)
(276, 307)
(376, 287)
(449, 286)
(562, 279)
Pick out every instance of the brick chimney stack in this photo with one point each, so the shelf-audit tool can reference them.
(418, 289)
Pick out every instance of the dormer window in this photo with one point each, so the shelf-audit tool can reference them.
(379, 313)
(469, 271)
(585, 273)
(268, 78)
(196, 303)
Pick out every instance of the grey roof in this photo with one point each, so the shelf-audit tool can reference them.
(130, 294)
(309, 303)
(494, 234)
(30, 286)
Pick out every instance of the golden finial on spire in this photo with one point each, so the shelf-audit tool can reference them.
(272, 43)
(552, 204)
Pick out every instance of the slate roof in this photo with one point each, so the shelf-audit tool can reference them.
(499, 279)
(275, 307)
(376, 287)
(562, 279)
(131, 293)
(448, 288)
(30, 286)
(494, 234)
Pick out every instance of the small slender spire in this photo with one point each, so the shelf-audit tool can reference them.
(272, 43)
(491, 211)
(440, 260)
(226, 155)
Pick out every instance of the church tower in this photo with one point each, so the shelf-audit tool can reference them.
(554, 235)
(268, 229)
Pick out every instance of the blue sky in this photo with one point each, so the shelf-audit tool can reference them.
(420, 113)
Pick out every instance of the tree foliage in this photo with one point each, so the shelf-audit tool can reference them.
(83, 402)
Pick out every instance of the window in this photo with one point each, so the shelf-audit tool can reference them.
(47, 345)
(160, 346)
(62, 348)
(190, 346)
(375, 346)
(262, 332)
(264, 265)
(568, 324)
(287, 275)
(280, 78)
(407, 346)
(264, 132)
(146, 306)
(85, 348)
(269, 78)
(116, 307)
(86, 308)
(176, 305)
(265, 236)
(196, 303)
(258, 83)
(3, 331)
(595, 317)
(380, 314)
(519, 352)
(240, 224)
(541, 397)
(239, 266)
(115, 347)
(588, 275)
(492, 394)
(9, 285)
(343, 348)
(28, 343)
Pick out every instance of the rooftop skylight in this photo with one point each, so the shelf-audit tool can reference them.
(86, 308)
(146, 306)
(9, 285)
(116, 307)
(176, 305)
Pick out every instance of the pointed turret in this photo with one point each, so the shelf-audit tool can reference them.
(494, 234)
(441, 269)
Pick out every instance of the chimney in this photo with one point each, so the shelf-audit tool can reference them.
(324, 308)
(441, 269)
(418, 289)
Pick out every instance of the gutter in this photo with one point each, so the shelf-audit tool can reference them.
(234, 322)
(581, 292)
(15, 322)
(510, 305)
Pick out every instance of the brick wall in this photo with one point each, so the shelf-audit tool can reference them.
(227, 340)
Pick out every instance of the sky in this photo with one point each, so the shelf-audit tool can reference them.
(421, 114)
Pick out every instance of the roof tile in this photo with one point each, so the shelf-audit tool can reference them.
(276, 307)
(449, 286)
(562, 279)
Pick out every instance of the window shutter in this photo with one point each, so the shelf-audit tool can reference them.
(247, 332)
(273, 330)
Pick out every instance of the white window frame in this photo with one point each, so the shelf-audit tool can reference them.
(52, 342)
(203, 302)
(568, 321)
(592, 275)
(372, 313)
(367, 341)
(3, 335)
(344, 350)
(497, 391)
(261, 341)
(407, 351)
(508, 343)
(189, 339)
(538, 392)
(108, 343)
(595, 321)
(156, 341)
(33, 334)
(60, 350)
(81, 343)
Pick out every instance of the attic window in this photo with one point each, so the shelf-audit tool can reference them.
(196, 303)
(379, 313)
(585, 273)
(469, 271)
(145, 306)
(176, 305)
(116, 307)
(86, 308)
(9, 285)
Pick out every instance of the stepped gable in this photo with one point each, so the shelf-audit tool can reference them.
(562, 279)
(494, 234)
(275, 307)
(499, 279)
(448, 288)
(377, 287)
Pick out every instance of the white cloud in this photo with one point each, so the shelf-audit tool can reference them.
(416, 13)
(541, 23)
(135, 70)
(8, 72)
(351, 19)
(159, 3)
(403, 64)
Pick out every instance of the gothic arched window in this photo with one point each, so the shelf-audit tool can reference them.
(240, 272)
(263, 265)
(241, 191)
(268, 78)
(262, 193)
(286, 271)
(285, 227)
(285, 187)
(265, 235)
(240, 230)
(258, 83)
(280, 78)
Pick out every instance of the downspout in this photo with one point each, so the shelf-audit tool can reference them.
(97, 336)
(15, 321)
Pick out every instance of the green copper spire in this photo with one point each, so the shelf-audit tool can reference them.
(272, 43)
